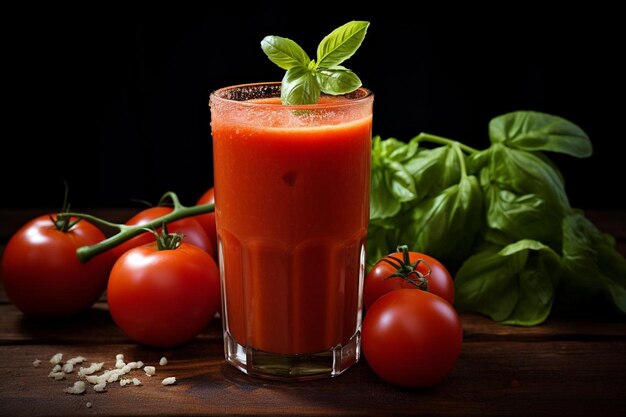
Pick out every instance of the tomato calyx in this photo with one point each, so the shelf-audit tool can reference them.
(407, 270)
(166, 240)
(63, 222)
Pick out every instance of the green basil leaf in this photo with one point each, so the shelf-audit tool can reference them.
(446, 225)
(377, 148)
(390, 147)
(524, 197)
(399, 182)
(593, 268)
(433, 170)
(404, 153)
(484, 283)
(337, 81)
(284, 52)
(513, 285)
(391, 184)
(382, 202)
(451, 170)
(341, 44)
(299, 87)
(477, 161)
(534, 131)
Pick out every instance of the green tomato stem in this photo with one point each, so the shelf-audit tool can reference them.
(405, 268)
(404, 250)
(166, 240)
(61, 222)
(93, 219)
(85, 253)
(427, 137)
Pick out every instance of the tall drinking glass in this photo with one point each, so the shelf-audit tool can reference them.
(292, 209)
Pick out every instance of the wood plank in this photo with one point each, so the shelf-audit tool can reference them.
(93, 326)
(479, 328)
(97, 326)
(491, 379)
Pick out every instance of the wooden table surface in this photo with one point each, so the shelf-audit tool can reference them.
(571, 367)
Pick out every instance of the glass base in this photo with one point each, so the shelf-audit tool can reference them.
(301, 367)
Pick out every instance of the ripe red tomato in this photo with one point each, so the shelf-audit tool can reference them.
(411, 338)
(380, 281)
(42, 275)
(163, 298)
(190, 228)
(208, 220)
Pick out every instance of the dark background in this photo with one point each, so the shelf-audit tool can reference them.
(115, 100)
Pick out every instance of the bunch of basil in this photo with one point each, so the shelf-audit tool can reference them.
(500, 217)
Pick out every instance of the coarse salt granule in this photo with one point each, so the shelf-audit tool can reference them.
(139, 364)
(56, 359)
(36, 363)
(100, 387)
(113, 376)
(57, 368)
(93, 379)
(119, 357)
(94, 367)
(149, 370)
(76, 360)
(136, 381)
(57, 375)
(169, 381)
(89, 404)
(77, 388)
(163, 361)
(68, 368)
(132, 365)
(125, 381)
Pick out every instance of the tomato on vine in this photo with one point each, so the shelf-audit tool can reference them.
(165, 293)
(405, 269)
(42, 275)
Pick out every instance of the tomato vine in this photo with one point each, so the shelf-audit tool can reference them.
(126, 232)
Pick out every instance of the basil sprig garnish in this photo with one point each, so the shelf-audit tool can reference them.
(307, 78)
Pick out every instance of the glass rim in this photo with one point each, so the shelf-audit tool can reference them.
(219, 95)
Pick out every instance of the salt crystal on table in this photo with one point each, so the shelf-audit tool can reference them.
(169, 381)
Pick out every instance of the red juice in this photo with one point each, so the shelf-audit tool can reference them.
(292, 209)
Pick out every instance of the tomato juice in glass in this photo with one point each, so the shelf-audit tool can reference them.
(292, 210)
